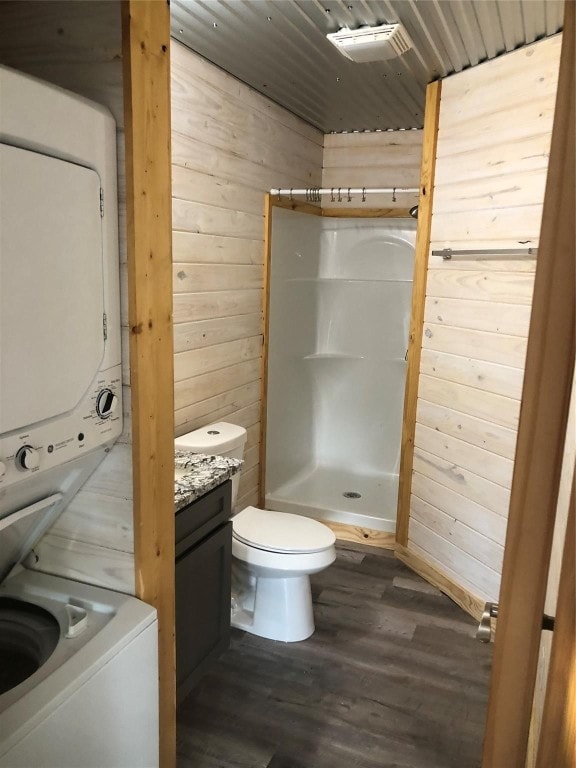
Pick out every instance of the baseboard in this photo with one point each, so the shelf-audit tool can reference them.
(359, 535)
(468, 601)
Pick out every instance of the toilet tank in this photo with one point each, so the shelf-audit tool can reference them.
(221, 439)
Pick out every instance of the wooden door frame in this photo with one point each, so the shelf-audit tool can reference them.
(557, 745)
(540, 446)
(146, 62)
(427, 171)
(344, 532)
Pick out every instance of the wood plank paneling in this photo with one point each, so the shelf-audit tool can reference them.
(206, 333)
(481, 345)
(372, 159)
(475, 315)
(190, 307)
(230, 146)
(490, 377)
(499, 410)
(491, 163)
(196, 248)
(484, 434)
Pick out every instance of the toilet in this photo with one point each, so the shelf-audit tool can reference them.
(274, 553)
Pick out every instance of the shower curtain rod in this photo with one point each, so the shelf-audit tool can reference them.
(314, 192)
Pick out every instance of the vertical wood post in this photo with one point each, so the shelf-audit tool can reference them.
(557, 744)
(146, 53)
(430, 141)
(268, 207)
(540, 447)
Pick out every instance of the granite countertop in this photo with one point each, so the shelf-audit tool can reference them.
(198, 473)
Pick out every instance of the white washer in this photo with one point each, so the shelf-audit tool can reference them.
(78, 664)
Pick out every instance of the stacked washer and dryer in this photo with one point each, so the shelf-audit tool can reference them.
(78, 664)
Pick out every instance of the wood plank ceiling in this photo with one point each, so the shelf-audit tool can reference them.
(279, 47)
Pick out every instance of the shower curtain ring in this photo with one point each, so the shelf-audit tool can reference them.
(349, 198)
(291, 196)
(332, 199)
(363, 194)
(339, 195)
(394, 194)
(279, 195)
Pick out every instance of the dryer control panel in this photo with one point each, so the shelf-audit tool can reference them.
(96, 421)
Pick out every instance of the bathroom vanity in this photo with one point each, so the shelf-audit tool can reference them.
(202, 496)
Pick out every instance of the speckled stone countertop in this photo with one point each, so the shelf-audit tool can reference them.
(198, 473)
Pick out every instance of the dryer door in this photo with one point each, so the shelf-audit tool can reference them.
(51, 286)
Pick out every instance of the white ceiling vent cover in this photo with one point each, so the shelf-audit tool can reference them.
(372, 43)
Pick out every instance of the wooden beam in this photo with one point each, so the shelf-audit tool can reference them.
(292, 205)
(268, 209)
(146, 54)
(557, 745)
(367, 213)
(430, 140)
(540, 447)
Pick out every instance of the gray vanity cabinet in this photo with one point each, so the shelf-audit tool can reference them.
(203, 562)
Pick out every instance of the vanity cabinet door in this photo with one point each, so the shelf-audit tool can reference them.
(202, 606)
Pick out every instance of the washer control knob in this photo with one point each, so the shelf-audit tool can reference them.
(27, 458)
(106, 403)
(2, 469)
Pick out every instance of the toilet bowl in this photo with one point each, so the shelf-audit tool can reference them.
(274, 553)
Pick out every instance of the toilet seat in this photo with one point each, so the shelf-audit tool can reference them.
(281, 532)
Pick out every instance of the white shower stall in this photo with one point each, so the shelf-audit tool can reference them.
(340, 297)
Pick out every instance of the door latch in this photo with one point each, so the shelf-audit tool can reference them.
(484, 631)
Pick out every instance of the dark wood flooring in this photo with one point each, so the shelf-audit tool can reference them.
(392, 677)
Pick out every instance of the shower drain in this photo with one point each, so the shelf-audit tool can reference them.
(352, 495)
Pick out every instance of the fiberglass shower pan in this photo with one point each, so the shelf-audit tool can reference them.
(340, 297)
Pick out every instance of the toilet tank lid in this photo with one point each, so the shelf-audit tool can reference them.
(213, 438)
(281, 531)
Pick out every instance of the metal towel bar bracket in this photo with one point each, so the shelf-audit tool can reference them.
(486, 253)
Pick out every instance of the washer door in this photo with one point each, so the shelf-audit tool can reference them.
(28, 637)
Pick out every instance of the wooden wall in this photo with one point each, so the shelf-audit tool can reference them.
(372, 159)
(78, 46)
(493, 143)
(230, 146)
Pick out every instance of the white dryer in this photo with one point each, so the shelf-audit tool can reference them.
(78, 664)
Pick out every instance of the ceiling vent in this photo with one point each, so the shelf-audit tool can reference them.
(372, 43)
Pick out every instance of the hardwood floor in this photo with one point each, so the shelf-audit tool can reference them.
(392, 678)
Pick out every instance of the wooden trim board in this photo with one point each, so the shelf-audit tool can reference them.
(359, 535)
(290, 205)
(146, 61)
(367, 213)
(541, 438)
(557, 744)
(268, 205)
(431, 118)
(468, 601)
